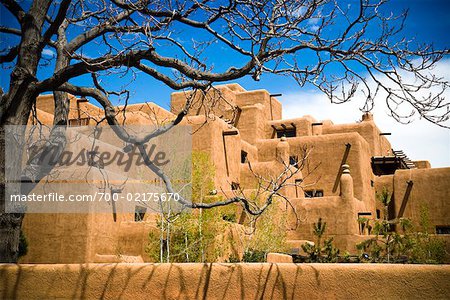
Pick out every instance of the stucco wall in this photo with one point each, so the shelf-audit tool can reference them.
(225, 281)
(430, 191)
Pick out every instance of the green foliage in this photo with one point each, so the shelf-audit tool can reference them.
(252, 255)
(325, 253)
(191, 238)
(195, 236)
(270, 232)
(23, 244)
(203, 173)
(428, 249)
(390, 246)
(205, 235)
(233, 258)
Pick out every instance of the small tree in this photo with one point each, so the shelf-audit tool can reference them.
(193, 236)
(406, 246)
(268, 234)
(427, 248)
(318, 253)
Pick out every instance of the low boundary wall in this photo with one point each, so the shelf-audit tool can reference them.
(224, 281)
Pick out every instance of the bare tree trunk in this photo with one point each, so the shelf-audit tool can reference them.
(10, 223)
(15, 110)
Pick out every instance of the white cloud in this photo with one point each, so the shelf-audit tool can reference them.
(48, 52)
(299, 12)
(313, 21)
(420, 140)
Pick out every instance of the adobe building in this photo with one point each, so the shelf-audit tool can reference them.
(243, 132)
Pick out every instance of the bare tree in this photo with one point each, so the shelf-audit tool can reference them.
(304, 39)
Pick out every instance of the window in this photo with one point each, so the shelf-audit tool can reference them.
(442, 229)
(291, 132)
(235, 186)
(293, 160)
(313, 193)
(363, 220)
(78, 122)
(243, 157)
(139, 213)
(378, 214)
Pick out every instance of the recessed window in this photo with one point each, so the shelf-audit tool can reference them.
(442, 229)
(244, 156)
(139, 213)
(364, 216)
(378, 214)
(78, 122)
(286, 132)
(293, 160)
(313, 193)
(235, 186)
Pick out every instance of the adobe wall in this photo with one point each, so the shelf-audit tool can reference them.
(257, 107)
(224, 151)
(422, 164)
(142, 113)
(431, 189)
(225, 281)
(252, 123)
(381, 183)
(218, 101)
(272, 107)
(303, 126)
(79, 238)
(378, 144)
(326, 154)
(341, 216)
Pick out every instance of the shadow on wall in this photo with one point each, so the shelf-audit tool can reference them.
(223, 281)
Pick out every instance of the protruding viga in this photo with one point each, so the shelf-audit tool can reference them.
(346, 183)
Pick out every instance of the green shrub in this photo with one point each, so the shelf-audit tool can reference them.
(408, 246)
(318, 253)
(23, 244)
(254, 256)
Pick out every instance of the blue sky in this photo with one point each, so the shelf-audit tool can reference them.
(428, 22)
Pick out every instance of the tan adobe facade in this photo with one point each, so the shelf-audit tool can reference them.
(347, 167)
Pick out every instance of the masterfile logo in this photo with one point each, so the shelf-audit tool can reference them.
(90, 169)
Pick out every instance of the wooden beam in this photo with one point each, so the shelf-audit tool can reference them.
(270, 100)
(225, 153)
(274, 132)
(238, 116)
(405, 199)
(232, 132)
(224, 134)
(344, 160)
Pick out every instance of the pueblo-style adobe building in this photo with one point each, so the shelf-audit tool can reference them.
(347, 167)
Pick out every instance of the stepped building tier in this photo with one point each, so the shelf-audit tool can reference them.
(346, 169)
